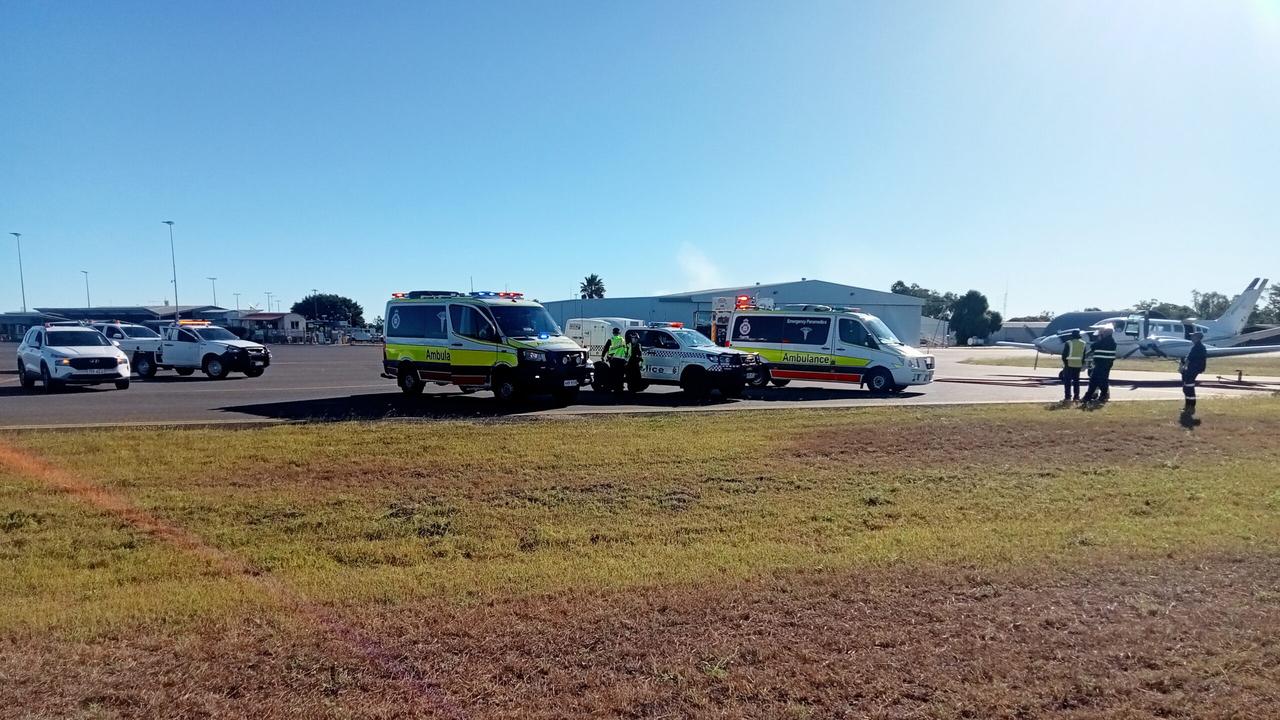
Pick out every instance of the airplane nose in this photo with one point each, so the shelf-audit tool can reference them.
(1048, 344)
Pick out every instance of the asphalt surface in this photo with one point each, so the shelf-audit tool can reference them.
(344, 383)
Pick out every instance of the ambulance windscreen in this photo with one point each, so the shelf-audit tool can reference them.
(521, 321)
(880, 331)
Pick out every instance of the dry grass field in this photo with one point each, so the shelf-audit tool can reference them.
(890, 563)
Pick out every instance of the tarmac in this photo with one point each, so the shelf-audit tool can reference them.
(326, 383)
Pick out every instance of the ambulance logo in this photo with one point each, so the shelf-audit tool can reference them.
(395, 320)
(804, 331)
(745, 327)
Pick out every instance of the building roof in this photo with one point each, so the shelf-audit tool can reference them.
(265, 316)
(107, 311)
(818, 287)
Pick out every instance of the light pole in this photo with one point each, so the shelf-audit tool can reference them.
(268, 301)
(237, 301)
(173, 258)
(21, 280)
(214, 282)
(87, 304)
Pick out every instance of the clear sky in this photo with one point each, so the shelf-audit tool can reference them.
(1079, 152)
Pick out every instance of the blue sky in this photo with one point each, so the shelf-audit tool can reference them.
(1079, 153)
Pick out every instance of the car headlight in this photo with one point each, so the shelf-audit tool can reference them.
(533, 355)
(62, 361)
(122, 360)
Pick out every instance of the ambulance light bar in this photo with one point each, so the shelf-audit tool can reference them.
(504, 294)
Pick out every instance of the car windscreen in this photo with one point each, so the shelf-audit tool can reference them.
(692, 338)
(137, 331)
(76, 338)
(524, 321)
(880, 331)
(215, 333)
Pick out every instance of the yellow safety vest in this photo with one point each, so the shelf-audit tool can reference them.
(1075, 353)
(618, 347)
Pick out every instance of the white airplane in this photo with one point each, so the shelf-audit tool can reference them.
(1140, 334)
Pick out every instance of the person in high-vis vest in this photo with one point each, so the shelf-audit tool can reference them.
(1072, 361)
(1192, 365)
(1103, 353)
(615, 353)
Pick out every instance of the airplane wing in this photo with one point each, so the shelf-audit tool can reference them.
(1178, 348)
(1024, 346)
(1214, 352)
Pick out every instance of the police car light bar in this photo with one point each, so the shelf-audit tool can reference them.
(193, 322)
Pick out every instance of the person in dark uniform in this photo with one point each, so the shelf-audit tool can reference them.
(634, 359)
(1072, 361)
(1192, 366)
(1103, 353)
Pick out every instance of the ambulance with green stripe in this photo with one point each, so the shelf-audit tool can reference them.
(828, 344)
(494, 341)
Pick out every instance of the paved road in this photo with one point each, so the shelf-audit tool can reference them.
(329, 382)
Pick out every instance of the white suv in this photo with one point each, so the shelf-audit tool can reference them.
(59, 355)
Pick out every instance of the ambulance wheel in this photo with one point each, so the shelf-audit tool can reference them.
(145, 365)
(780, 382)
(505, 389)
(694, 382)
(759, 380)
(186, 371)
(408, 380)
(879, 381)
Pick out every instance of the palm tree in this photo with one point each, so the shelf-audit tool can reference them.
(592, 287)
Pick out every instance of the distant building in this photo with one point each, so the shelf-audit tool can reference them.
(13, 325)
(272, 326)
(900, 312)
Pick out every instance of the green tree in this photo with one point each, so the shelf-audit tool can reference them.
(1210, 304)
(971, 316)
(378, 325)
(1167, 309)
(936, 304)
(1269, 313)
(327, 306)
(592, 287)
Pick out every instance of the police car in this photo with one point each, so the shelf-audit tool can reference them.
(480, 341)
(672, 354)
(60, 354)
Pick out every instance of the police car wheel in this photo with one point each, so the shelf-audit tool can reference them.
(24, 378)
(409, 382)
(759, 380)
(122, 384)
(50, 385)
(694, 382)
(780, 382)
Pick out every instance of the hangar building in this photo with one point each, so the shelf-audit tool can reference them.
(900, 312)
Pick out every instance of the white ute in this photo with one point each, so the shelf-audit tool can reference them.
(195, 345)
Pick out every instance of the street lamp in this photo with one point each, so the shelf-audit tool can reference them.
(21, 279)
(173, 258)
(214, 282)
(87, 304)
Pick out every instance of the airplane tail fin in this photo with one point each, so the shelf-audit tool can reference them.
(1233, 319)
